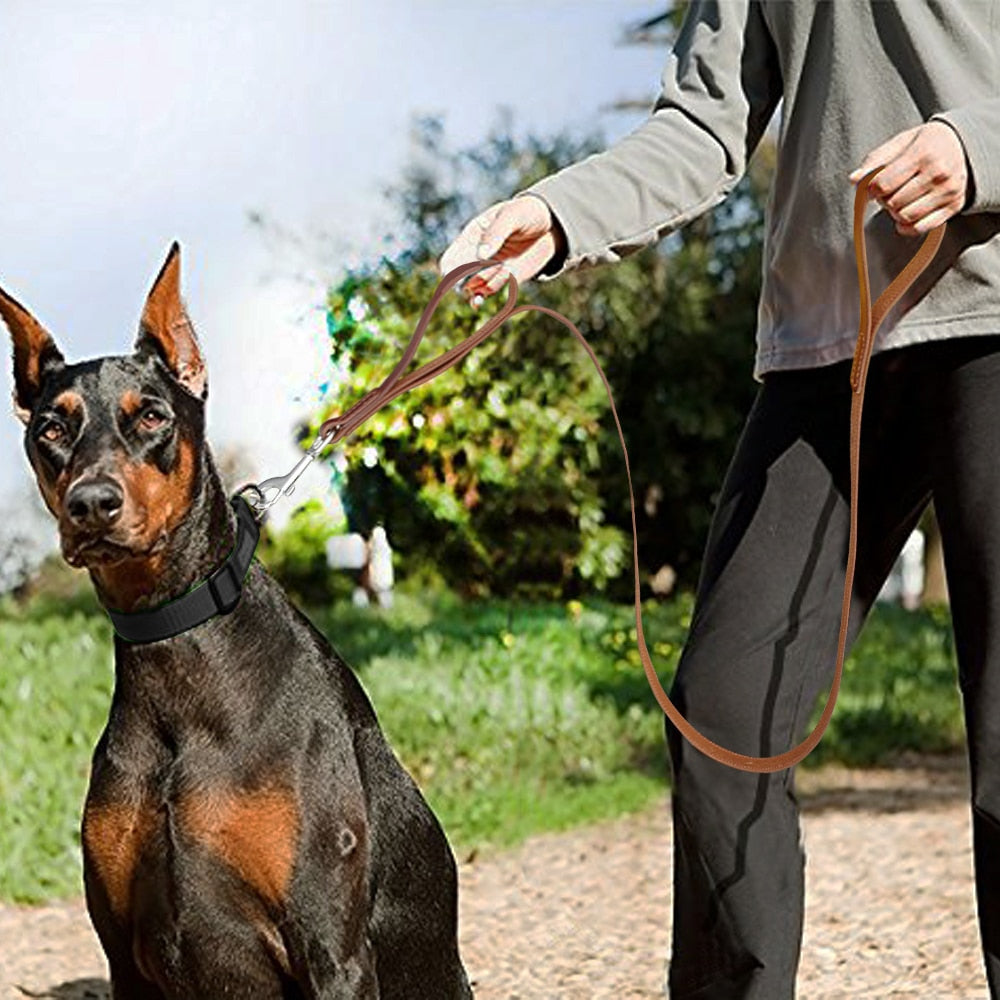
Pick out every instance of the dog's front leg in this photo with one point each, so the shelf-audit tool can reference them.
(329, 909)
(115, 935)
(127, 982)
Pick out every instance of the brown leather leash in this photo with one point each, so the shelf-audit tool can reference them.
(337, 428)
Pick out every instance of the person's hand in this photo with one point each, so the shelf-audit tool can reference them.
(924, 180)
(521, 232)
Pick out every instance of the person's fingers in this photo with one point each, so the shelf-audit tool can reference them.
(495, 280)
(890, 177)
(922, 162)
(932, 188)
(927, 217)
(519, 221)
(518, 229)
(462, 249)
(918, 186)
(893, 176)
(484, 282)
(936, 218)
(921, 207)
(523, 267)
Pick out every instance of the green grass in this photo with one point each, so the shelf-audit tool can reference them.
(55, 681)
(513, 718)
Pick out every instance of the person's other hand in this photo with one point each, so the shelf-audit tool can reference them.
(924, 180)
(521, 232)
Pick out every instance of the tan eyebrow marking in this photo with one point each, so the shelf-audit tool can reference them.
(131, 402)
(68, 401)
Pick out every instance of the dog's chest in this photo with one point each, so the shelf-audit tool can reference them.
(136, 844)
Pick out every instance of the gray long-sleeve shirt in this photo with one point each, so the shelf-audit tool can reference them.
(853, 73)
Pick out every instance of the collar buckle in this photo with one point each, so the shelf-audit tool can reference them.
(225, 587)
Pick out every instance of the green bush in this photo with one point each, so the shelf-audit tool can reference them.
(490, 470)
(507, 472)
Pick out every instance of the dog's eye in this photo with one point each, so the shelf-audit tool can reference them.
(151, 419)
(53, 432)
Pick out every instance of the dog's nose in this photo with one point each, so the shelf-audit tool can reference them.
(95, 503)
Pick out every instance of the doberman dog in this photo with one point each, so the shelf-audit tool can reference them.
(247, 832)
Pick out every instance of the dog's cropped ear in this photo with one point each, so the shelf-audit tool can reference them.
(166, 328)
(35, 354)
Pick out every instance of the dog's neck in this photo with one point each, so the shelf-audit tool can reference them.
(197, 546)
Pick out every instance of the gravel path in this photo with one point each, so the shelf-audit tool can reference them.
(586, 914)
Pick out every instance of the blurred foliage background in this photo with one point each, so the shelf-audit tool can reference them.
(515, 717)
(505, 474)
(506, 676)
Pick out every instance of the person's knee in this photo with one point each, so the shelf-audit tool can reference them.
(710, 698)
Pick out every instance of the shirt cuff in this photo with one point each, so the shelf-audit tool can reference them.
(568, 258)
(984, 174)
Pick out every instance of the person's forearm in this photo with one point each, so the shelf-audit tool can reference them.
(616, 202)
(718, 90)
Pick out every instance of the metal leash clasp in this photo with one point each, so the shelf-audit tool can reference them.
(270, 491)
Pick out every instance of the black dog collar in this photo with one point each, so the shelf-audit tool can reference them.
(217, 595)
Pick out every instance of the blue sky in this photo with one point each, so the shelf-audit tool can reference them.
(125, 126)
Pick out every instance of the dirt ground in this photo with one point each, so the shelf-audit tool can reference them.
(586, 914)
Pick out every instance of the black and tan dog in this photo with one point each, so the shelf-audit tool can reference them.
(247, 833)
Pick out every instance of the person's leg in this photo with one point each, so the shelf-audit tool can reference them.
(761, 648)
(967, 500)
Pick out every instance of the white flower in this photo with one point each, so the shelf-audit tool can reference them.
(418, 420)
(370, 457)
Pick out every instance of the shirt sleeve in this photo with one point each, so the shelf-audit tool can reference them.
(978, 128)
(719, 89)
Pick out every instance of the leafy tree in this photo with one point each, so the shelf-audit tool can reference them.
(507, 472)
(505, 475)
(491, 469)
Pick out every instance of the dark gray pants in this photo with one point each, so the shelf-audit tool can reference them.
(763, 639)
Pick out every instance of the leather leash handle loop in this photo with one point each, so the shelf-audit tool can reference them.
(871, 317)
(870, 320)
(869, 323)
(395, 384)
